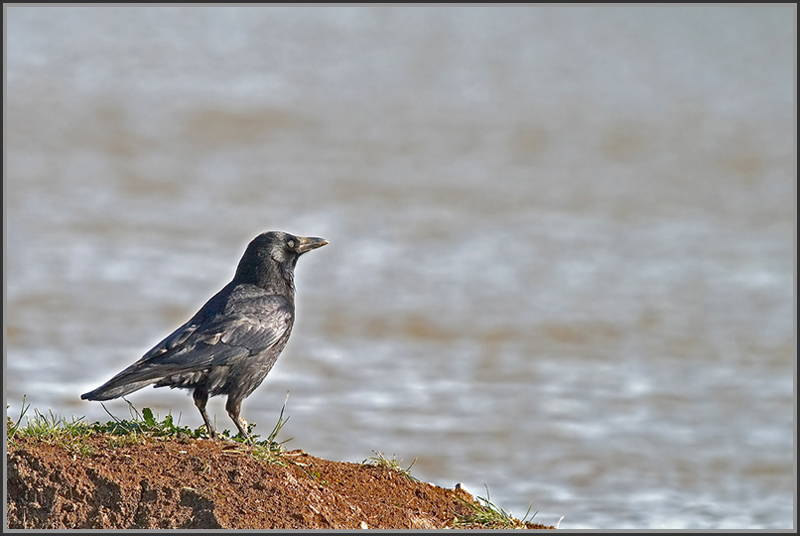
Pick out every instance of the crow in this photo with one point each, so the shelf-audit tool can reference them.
(232, 342)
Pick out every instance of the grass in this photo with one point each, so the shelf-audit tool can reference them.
(394, 464)
(48, 426)
(485, 514)
(72, 433)
(268, 450)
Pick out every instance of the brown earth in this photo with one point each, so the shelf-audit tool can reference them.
(157, 483)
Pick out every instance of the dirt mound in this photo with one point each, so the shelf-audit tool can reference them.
(158, 483)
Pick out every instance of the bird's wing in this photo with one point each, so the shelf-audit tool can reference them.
(219, 334)
(218, 339)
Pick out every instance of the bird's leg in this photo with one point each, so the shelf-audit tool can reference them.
(200, 396)
(234, 406)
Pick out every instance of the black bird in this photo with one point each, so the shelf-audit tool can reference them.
(233, 341)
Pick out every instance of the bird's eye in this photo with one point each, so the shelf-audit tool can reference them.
(290, 243)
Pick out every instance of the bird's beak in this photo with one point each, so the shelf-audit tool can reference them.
(307, 243)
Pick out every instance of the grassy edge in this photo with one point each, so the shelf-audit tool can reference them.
(484, 514)
(71, 433)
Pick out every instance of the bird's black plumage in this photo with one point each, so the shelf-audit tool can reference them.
(232, 342)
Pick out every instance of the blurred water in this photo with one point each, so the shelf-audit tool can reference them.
(561, 259)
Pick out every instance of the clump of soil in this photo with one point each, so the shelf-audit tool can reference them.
(157, 483)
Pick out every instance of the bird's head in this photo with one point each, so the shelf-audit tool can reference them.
(274, 254)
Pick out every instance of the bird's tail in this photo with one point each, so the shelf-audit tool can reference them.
(129, 380)
(107, 392)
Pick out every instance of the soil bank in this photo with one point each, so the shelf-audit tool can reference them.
(158, 483)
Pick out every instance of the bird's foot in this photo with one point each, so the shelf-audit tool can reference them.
(244, 430)
(210, 433)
